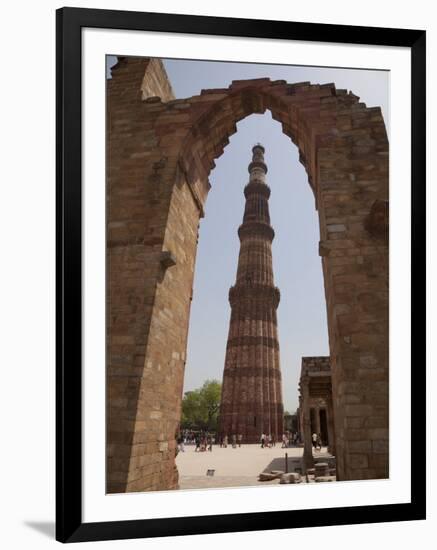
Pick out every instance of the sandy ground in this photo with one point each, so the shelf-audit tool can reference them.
(234, 467)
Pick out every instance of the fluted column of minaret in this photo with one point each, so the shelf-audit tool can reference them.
(251, 401)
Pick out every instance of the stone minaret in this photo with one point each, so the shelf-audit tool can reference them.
(251, 400)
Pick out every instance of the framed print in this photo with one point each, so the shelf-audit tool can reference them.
(240, 274)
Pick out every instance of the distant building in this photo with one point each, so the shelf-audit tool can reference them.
(315, 403)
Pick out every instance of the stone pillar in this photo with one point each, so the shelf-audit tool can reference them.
(308, 461)
(330, 424)
(317, 418)
(148, 264)
(298, 419)
(354, 254)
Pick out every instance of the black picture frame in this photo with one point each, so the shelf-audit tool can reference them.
(69, 24)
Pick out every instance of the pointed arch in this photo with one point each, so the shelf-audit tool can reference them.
(160, 158)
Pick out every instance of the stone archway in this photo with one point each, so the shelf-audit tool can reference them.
(160, 154)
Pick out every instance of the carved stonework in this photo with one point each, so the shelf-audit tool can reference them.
(154, 207)
(252, 393)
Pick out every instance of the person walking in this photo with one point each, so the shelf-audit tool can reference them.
(314, 439)
(225, 441)
(240, 438)
(319, 441)
(197, 442)
(234, 441)
(263, 440)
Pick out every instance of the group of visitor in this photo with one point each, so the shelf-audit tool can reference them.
(235, 440)
(290, 438)
(267, 440)
(203, 441)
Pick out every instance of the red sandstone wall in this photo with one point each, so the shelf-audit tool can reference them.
(159, 158)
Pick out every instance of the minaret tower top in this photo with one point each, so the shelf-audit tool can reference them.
(257, 165)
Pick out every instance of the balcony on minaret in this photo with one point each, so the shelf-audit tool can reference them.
(252, 377)
(257, 168)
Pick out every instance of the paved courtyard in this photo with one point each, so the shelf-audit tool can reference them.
(234, 467)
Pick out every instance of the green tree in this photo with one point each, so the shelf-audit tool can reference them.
(210, 395)
(191, 410)
(200, 407)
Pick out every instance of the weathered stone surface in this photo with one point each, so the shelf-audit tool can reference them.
(322, 479)
(321, 469)
(265, 476)
(376, 222)
(292, 478)
(160, 154)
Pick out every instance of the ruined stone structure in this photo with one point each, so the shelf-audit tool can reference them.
(160, 154)
(316, 404)
(251, 402)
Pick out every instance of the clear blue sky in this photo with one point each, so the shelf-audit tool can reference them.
(297, 268)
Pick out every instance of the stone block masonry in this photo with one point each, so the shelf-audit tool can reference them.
(160, 151)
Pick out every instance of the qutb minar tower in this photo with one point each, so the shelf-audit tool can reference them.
(251, 402)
